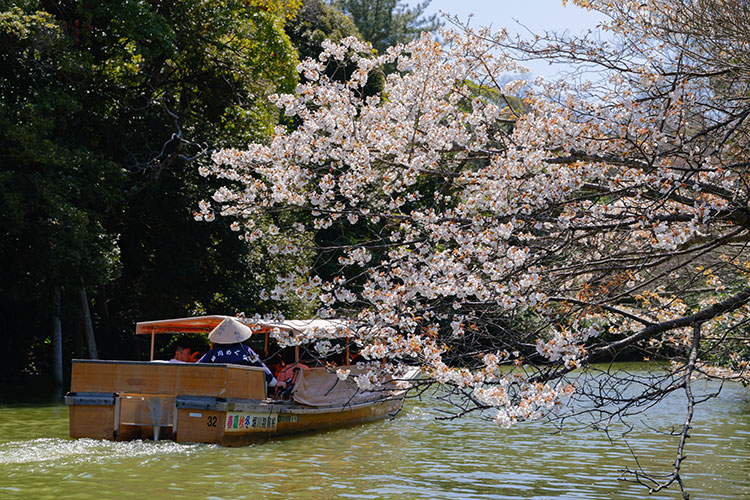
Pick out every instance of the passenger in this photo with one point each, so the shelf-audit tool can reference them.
(287, 374)
(228, 348)
(182, 355)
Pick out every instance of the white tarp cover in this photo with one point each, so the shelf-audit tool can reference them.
(321, 387)
(309, 327)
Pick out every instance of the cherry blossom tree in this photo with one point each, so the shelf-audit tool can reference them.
(505, 248)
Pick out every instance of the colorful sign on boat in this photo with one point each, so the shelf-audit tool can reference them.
(237, 422)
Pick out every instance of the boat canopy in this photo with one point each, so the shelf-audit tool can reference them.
(196, 324)
(204, 324)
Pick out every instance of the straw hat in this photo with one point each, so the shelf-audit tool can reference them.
(229, 331)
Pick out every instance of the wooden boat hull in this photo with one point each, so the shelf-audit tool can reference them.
(251, 422)
(221, 404)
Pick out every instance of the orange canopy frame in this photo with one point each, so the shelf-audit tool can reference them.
(198, 324)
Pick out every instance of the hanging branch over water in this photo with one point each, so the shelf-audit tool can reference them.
(502, 236)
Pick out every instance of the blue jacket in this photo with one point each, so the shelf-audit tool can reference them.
(237, 354)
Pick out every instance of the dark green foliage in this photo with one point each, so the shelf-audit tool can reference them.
(104, 108)
(387, 22)
(315, 22)
(318, 21)
(54, 183)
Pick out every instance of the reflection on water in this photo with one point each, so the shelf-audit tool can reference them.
(411, 457)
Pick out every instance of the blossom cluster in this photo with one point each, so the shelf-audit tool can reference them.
(484, 209)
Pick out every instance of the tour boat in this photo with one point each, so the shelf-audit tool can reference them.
(226, 404)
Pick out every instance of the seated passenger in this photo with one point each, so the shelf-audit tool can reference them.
(182, 354)
(227, 338)
(286, 373)
(287, 377)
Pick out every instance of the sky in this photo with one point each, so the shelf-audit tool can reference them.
(536, 15)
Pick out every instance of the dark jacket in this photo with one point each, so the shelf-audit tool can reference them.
(237, 354)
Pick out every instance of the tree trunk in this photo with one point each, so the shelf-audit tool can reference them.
(78, 351)
(88, 326)
(57, 364)
(104, 326)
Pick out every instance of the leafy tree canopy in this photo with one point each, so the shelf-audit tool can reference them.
(316, 22)
(384, 23)
(103, 105)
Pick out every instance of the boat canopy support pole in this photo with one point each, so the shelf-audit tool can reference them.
(152, 345)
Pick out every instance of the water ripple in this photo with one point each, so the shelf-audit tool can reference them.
(412, 457)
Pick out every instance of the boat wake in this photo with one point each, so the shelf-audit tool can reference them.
(47, 451)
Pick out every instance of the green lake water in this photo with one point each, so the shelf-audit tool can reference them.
(413, 456)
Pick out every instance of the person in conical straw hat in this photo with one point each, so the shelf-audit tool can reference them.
(227, 338)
